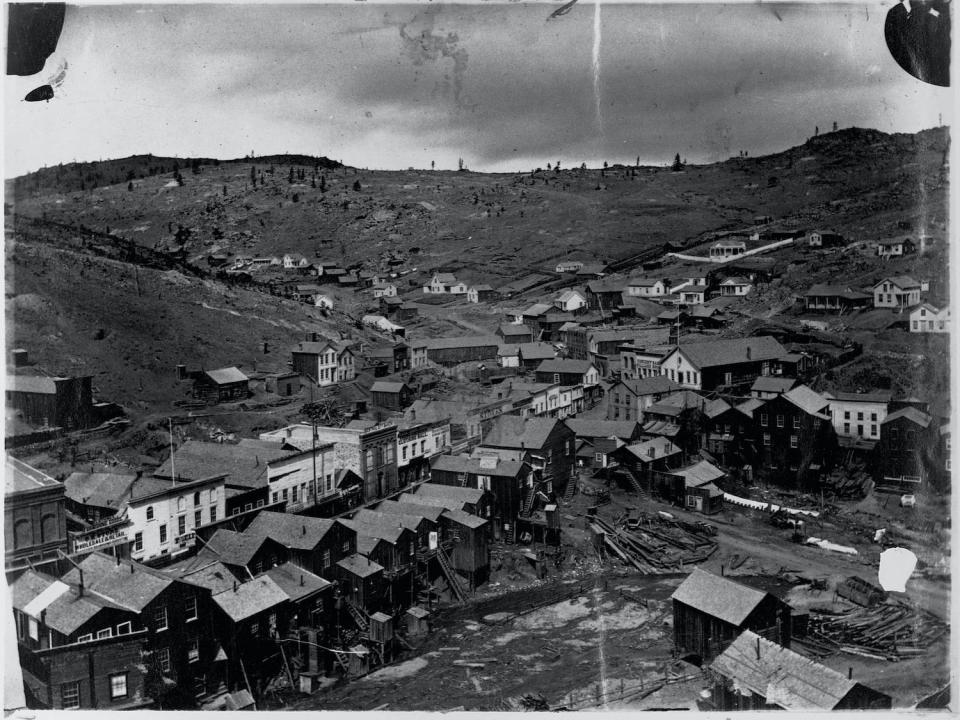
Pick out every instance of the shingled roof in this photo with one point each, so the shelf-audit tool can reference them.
(718, 353)
(250, 598)
(511, 431)
(295, 532)
(126, 584)
(245, 466)
(717, 596)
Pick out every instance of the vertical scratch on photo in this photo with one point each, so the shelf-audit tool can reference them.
(596, 65)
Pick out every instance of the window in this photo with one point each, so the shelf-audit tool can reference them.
(118, 686)
(105, 633)
(846, 414)
(193, 650)
(213, 513)
(403, 453)
(236, 511)
(389, 453)
(259, 503)
(163, 659)
(763, 419)
(766, 439)
(846, 428)
(326, 559)
(285, 494)
(149, 512)
(276, 497)
(873, 417)
(346, 546)
(181, 504)
(796, 422)
(160, 618)
(197, 518)
(213, 495)
(255, 629)
(859, 416)
(196, 498)
(873, 430)
(329, 482)
(70, 695)
(124, 628)
(369, 458)
(163, 533)
(779, 421)
(138, 541)
(794, 441)
(33, 629)
(190, 608)
(293, 494)
(182, 525)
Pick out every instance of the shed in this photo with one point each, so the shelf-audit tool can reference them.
(418, 621)
(221, 385)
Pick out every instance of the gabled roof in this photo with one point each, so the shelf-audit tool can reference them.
(22, 477)
(465, 519)
(467, 464)
(894, 241)
(203, 570)
(537, 351)
(699, 473)
(569, 295)
(825, 290)
(234, 548)
(655, 385)
(736, 280)
(717, 596)
(430, 512)
(925, 306)
(675, 403)
(62, 606)
(360, 566)
(508, 350)
(511, 431)
(514, 329)
(537, 309)
(876, 396)
(375, 528)
(434, 490)
(250, 598)
(781, 676)
(388, 519)
(467, 341)
(658, 445)
(444, 503)
(731, 352)
(482, 288)
(605, 286)
(811, 402)
(445, 278)
(601, 428)
(296, 532)
(643, 282)
(38, 384)
(915, 416)
(750, 405)
(99, 489)
(126, 584)
(227, 375)
(715, 408)
(565, 365)
(904, 282)
(245, 466)
(296, 582)
(772, 383)
(385, 386)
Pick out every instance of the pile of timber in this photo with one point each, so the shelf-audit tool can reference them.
(658, 548)
(844, 484)
(892, 631)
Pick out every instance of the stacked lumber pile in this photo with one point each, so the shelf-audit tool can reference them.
(843, 484)
(891, 631)
(658, 547)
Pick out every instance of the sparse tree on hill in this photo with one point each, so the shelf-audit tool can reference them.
(816, 130)
(323, 183)
(290, 178)
(253, 175)
(432, 164)
(129, 187)
(677, 165)
(460, 165)
(224, 190)
(357, 186)
(834, 125)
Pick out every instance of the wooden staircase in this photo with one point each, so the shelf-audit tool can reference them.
(456, 587)
(511, 536)
(342, 658)
(528, 504)
(570, 491)
(358, 614)
(635, 484)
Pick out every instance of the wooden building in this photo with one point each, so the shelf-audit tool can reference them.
(550, 443)
(315, 544)
(392, 395)
(506, 481)
(710, 612)
(34, 516)
(456, 350)
(65, 402)
(223, 385)
(361, 580)
(907, 450)
(756, 674)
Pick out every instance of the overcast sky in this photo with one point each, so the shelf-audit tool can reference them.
(397, 85)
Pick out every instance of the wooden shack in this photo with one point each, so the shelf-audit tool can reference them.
(710, 611)
(470, 555)
(381, 628)
(223, 385)
(418, 621)
(361, 580)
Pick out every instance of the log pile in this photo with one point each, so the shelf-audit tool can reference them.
(892, 631)
(657, 547)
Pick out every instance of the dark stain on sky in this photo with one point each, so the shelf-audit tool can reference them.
(562, 10)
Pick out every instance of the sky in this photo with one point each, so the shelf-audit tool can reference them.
(392, 85)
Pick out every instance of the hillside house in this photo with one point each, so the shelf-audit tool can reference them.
(769, 386)
(627, 399)
(926, 318)
(388, 359)
(824, 238)
(306, 293)
(531, 354)
(384, 290)
(644, 458)
(34, 516)
(569, 266)
(223, 385)
(646, 287)
(906, 451)
(326, 363)
(508, 356)
(900, 291)
(568, 372)
(710, 612)
(514, 333)
(62, 672)
(725, 249)
(730, 431)
(481, 293)
(570, 301)
(445, 284)
(604, 295)
(830, 298)
(756, 674)
(295, 261)
(592, 271)
(383, 325)
(895, 247)
(692, 487)
(65, 402)
(550, 443)
(392, 395)
(724, 363)
(692, 295)
(794, 438)
(858, 415)
(418, 354)
(735, 286)
(315, 544)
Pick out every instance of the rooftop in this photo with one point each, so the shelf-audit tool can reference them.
(99, 489)
(60, 604)
(717, 353)
(246, 466)
(772, 383)
(918, 417)
(250, 598)
(296, 532)
(234, 548)
(25, 478)
(602, 428)
(511, 431)
(360, 566)
(296, 582)
(125, 583)
(465, 494)
(808, 400)
(717, 596)
(227, 375)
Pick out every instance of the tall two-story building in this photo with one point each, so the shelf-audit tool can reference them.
(858, 415)
(326, 363)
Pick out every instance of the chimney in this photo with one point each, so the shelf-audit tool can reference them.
(850, 673)
(758, 648)
(131, 568)
(749, 352)
(181, 372)
(80, 589)
(118, 559)
(301, 582)
(235, 589)
(304, 533)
